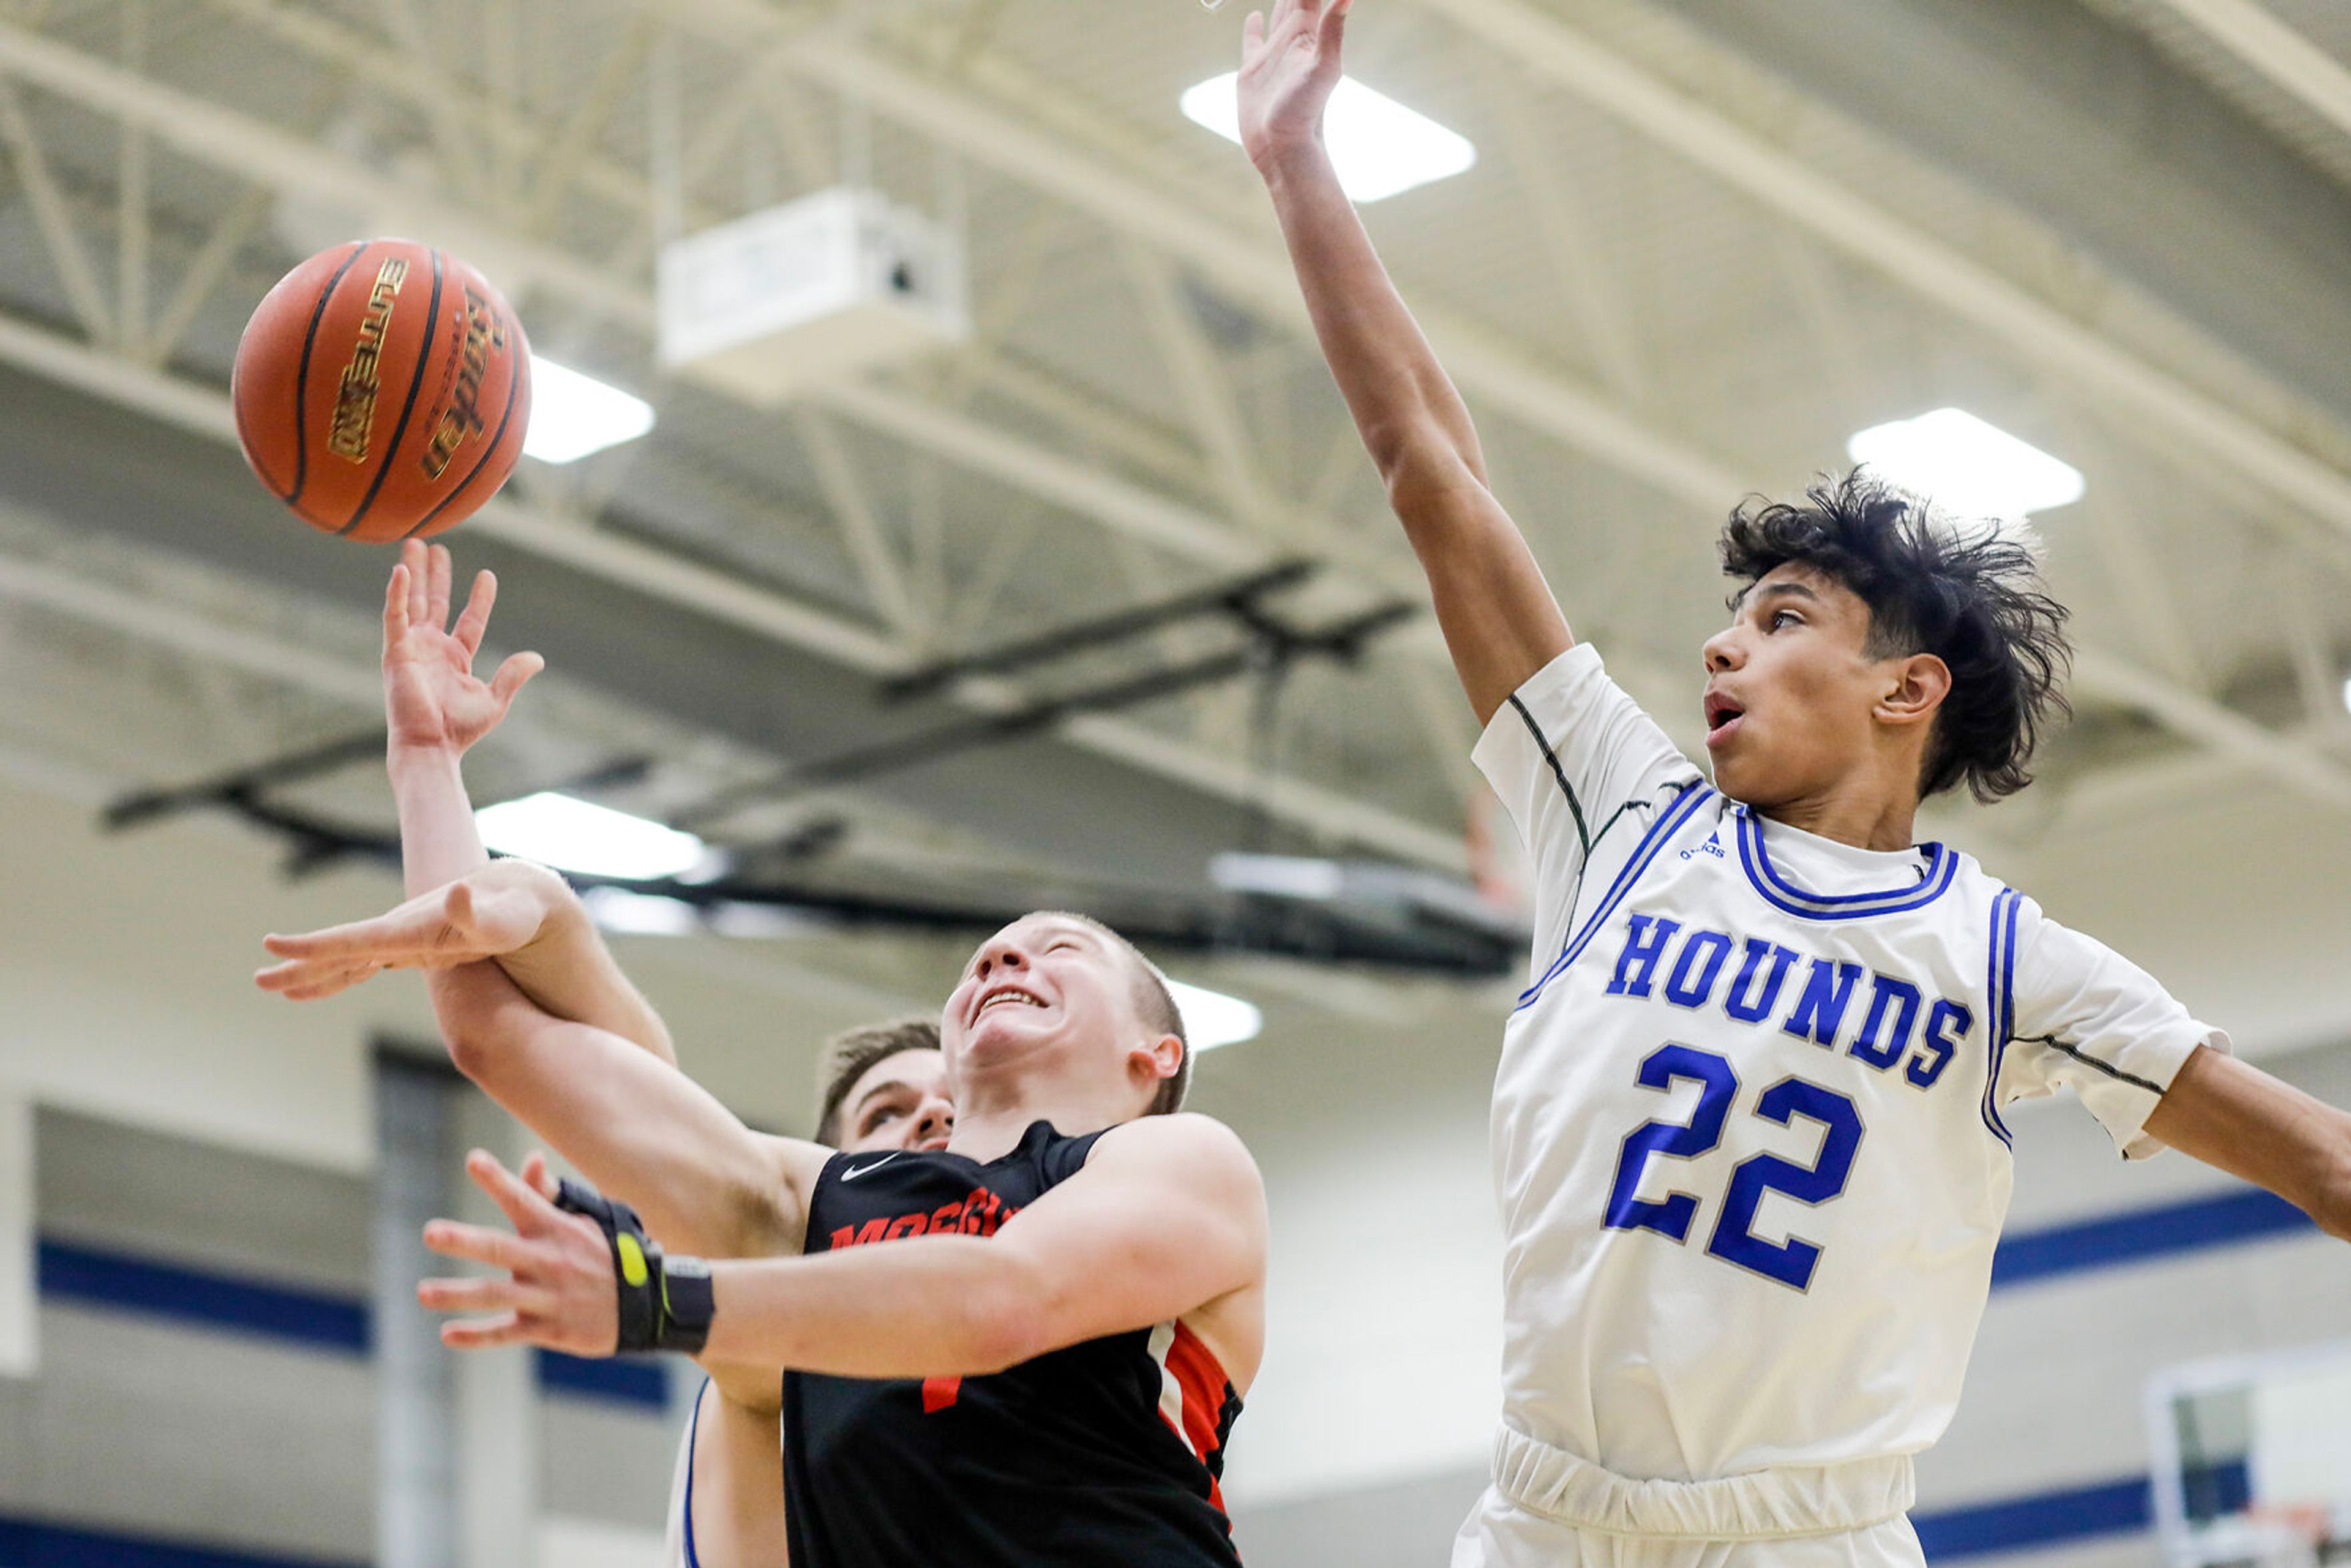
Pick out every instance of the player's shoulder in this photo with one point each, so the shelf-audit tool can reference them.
(1182, 1140)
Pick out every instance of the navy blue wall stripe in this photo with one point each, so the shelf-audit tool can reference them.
(304, 1315)
(624, 1380)
(307, 1316)
(2045, 1518)
(2230, 1220)
(34, 1543)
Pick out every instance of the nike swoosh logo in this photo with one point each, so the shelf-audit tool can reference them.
(877, 1164)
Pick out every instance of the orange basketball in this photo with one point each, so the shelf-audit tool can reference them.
(382, 390)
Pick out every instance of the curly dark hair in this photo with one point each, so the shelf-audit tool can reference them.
(1971, 595)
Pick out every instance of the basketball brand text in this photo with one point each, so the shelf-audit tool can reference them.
(347, 435)
(462, 418)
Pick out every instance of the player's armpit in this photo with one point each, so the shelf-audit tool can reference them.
(2234, 1115)
(633, 1125)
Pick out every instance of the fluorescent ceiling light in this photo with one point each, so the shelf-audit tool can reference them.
(630, 914)
(1283, 876)
(1379, 147)
(2346, 697)
(1212, 1018)
(572, 415)
(574, 835)
(1967, 466)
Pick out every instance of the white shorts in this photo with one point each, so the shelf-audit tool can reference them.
(1498, 1533)
(1549, 1508)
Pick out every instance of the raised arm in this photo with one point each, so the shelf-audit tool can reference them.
(2234, 1115)
(435, 710)
(1167, 1222)
(635, 1127)
(1499, 615)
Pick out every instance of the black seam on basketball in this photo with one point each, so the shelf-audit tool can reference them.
(2109, 1069)
(1583, 833)
(514, 390)
(302, 377)
(408, 407)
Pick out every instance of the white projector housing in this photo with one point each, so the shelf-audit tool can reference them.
(814, 291)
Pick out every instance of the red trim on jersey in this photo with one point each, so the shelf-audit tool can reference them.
(1207, 1391)
(938, 1393)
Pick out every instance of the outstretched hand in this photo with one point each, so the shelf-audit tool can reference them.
(1290, 68)
(430, 696)
(556, 1288)
(494, 911)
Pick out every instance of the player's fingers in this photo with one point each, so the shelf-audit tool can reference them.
(417, 557)
(395, 606)
(477, 1293)
(483, 1333)
(305, 981)
(537, 1176)
(1334, 31)
(456, 912)
(1252, 32)
(528, 1210)
(403, 930)
(330, 985)
(513, 675)
(480, 1244)
(476, 620)
(444, 567)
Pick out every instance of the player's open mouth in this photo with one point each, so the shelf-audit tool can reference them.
(1722, 716)
(1012, 995)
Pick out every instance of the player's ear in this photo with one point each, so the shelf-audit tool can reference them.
(1156, 1061)
(1919, 684)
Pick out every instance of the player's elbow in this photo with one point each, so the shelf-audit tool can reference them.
(478, 1033)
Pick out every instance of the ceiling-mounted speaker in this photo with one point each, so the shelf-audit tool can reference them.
(819, 290)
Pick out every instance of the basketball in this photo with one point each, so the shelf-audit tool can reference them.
(382, 390)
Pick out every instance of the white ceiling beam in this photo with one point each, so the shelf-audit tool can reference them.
(1317, 812)
(243, 145)
(52, 217)
(2286, 758)
(2042, 333)
(1253, 269)
(2282, 57)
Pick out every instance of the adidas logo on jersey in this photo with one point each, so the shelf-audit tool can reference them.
(1687, 968)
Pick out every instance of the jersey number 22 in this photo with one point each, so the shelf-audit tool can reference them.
(1791, 1261)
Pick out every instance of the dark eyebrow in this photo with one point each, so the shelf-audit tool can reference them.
(1797, 588)
(885, 1087)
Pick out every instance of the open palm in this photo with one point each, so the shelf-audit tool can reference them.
(1290, 66)
(432, 697)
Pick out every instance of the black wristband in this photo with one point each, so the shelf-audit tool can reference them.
(687, 1304)
(666, 1302)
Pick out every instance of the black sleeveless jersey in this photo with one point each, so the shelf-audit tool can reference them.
(1106, 1452)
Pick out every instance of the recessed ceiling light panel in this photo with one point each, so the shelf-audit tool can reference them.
(1380, 148)
(577, 835)
(1212, 1018)
(1966, 466)
(572, 415)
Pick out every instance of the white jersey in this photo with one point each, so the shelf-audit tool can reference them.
(677, 1537)
(1746, 1130)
